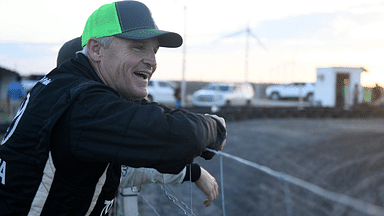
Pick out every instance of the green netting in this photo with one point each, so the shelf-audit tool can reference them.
(103, 22)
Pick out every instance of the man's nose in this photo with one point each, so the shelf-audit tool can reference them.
(150, 60)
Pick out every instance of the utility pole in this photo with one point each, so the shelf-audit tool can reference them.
(248, 31)
(183, 82)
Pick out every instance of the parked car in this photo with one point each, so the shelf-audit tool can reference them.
(161, 91)
(292, 90)
(224, 94)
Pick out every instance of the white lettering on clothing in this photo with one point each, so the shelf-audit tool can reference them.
(107, 208)
(16, 120)
(45, 80)
(3, 165)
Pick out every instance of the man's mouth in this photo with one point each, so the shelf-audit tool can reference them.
(142, 74)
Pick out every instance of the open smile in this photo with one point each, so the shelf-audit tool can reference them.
(144, 75)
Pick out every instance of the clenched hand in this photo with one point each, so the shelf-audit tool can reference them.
(222, 121)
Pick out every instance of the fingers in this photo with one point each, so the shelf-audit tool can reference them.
(212, 196)
(209, 186)
(209, 201)
(222, 121)
(222, 145)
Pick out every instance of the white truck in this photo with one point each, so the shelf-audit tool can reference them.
(161, 91)
(292, 90)
(224, 94)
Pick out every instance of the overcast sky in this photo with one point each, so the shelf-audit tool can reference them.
(299, 36)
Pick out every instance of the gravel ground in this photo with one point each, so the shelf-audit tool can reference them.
(340, 155)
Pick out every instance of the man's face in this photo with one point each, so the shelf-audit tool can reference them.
(127, 65)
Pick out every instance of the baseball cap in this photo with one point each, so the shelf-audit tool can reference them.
(127, 19)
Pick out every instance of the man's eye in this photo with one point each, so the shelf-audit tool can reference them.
(139, 47)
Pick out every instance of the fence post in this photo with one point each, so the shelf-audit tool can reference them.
(288, 200)
(128, 202)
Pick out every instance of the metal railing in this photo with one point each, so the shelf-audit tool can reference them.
(361, 206)
(356, 204)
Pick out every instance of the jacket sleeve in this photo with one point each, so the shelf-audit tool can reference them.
(106, 128)
(140, 176)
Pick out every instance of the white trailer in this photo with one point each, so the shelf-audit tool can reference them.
(338, 87)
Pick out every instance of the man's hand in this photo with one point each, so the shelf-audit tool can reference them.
(208, 185)
(222, 121)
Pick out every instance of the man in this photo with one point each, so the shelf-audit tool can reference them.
(135, 177)
(16, 93)
(63, 154)
(177, 96)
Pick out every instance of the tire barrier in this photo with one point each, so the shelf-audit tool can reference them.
(245, 113)
(249, 112)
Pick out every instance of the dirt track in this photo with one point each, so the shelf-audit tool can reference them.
(340, 155)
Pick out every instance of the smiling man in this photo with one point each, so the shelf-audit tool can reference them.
(125, 63)
(63, 152)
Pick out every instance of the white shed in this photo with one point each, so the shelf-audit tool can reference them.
(338, 87)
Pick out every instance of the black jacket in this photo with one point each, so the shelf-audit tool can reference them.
(63, 152)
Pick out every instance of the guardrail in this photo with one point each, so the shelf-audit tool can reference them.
(243, 113)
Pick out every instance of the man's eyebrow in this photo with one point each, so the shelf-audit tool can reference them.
(135, 42)
(141, 42)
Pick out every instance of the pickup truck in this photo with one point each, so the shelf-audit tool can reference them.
(292, 90)
(161, 91)
(224, 94)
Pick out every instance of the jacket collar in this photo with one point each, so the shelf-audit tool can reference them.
(85, 69)
(77, 66)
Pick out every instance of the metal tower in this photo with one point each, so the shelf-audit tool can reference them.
(249, 34)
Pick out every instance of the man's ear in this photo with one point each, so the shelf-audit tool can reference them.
(94, 49)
